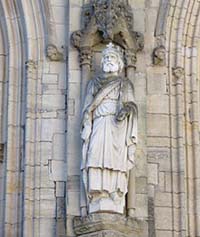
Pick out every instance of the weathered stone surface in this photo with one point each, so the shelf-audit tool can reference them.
(157, 81)
(57, 170)
(158, 125)
(153, 173)
(158, 104)
(163, 217)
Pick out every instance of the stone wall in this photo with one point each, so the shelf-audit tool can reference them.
(40, 106)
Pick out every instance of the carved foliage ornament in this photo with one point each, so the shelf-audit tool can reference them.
(108, 14)
(31, 66)
(113, 20)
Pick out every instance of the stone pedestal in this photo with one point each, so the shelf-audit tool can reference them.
(109, 225)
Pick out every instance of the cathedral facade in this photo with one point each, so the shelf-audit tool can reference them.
(50, 51)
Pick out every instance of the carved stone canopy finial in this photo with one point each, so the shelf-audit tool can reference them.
(107, 21)
(53, 54)
(108, 14)
(76, 38)
(159, 56)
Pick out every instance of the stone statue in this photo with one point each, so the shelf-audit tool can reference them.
(109, 134)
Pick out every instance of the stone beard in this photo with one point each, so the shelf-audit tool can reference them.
(109, 134)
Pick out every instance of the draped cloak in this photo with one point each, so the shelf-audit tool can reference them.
(108, 144)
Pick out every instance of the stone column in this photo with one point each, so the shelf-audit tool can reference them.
(178, 73)
(130, 61)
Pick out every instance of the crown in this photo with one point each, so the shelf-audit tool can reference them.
(111, 48)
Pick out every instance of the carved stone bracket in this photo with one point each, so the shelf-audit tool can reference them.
(76, 38)
(105, 224)
(139, 40)
(53, 54)
(159, 56)
(85, 56)
(178, 72)
(130, 58)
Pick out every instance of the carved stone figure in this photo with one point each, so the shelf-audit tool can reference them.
(159, 56)
(178, 72)
(53, 54)
(109, 134)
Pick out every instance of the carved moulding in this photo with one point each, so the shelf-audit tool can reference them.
(106, 224)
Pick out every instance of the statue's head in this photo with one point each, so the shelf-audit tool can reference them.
(51, 50)
(112, 59)
(160, 52)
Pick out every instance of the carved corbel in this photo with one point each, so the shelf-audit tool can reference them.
(159, 56)
(30, 65)
(85, 56)
(130, 58)
(178, 73)
(53, 54)
(139, 40)
(76, 38)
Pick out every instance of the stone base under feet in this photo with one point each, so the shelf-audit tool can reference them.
(109, 225)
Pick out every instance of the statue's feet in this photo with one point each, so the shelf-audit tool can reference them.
(116, 196)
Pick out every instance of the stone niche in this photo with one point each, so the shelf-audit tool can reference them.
(108, 21)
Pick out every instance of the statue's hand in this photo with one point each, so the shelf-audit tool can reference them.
(86, 126)
(122, 114)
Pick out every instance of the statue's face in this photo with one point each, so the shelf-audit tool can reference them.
(178, 72)
(51, 51)
(160, 53)
(110, 63)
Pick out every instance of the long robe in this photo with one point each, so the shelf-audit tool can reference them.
(107, 153)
